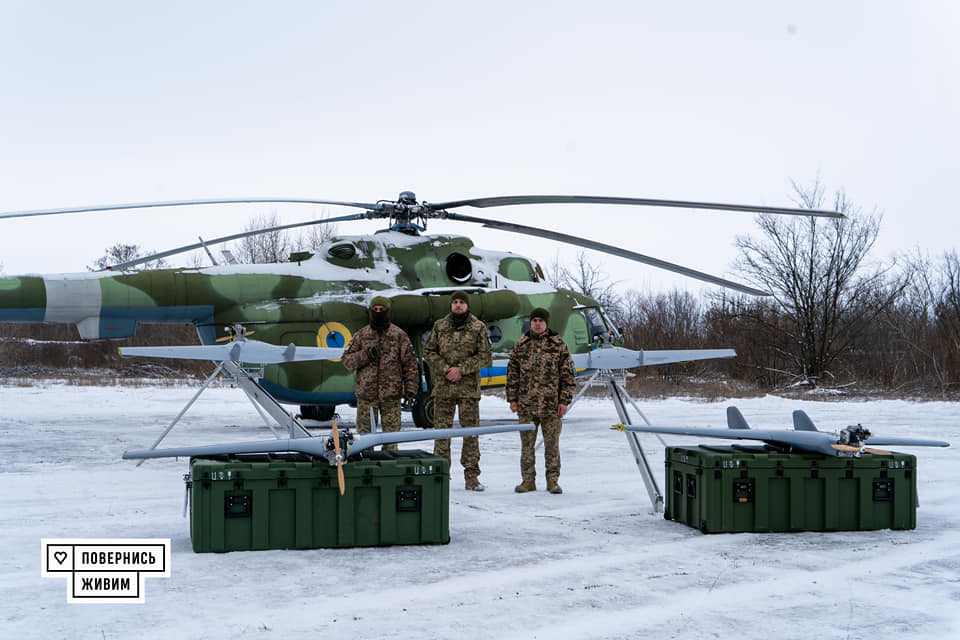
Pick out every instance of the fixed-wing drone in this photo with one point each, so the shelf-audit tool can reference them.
(804, 436)
(337, 448)
(319, 300)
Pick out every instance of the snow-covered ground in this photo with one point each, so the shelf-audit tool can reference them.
(591, 563)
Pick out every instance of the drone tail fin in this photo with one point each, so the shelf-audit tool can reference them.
(735, 419)
(802, 422)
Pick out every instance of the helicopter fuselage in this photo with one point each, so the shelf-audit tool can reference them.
(318, 300)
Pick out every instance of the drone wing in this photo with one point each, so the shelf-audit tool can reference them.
(366, 440)
(804, 440)
(319, 446)
(252, 351)
(311, 446)
(816, 441)
(620, 358)
(907, 442)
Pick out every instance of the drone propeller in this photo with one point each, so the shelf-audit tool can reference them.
(405, 213)
(235, 332)
(336, 449)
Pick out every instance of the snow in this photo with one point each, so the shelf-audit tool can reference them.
(591, 563)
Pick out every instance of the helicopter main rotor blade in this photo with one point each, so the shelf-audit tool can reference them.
(606, 248)
(236, 236)
(506, 201)
(180, 203)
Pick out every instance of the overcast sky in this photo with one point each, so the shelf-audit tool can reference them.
(106, 102)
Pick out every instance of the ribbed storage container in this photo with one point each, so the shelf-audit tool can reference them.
(259, 503)
(749, 489)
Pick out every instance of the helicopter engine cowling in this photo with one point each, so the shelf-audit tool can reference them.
(414, 310)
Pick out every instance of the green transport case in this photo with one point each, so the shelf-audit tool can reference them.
(255, 502)
(725, 489)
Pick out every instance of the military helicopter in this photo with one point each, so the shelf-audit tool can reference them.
(320, 299)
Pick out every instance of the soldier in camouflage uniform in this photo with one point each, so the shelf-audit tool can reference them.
(457, 350)
(541, 380)
(383, 357)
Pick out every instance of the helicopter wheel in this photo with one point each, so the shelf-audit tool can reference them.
(423, 410)
(319, 412)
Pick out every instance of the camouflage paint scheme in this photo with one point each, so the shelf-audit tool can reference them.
(317, 301)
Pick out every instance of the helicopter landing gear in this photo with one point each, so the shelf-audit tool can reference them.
(423, 410)
(319, 412)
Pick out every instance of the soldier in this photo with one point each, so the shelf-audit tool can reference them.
(457, 350)
(541, 380)
(382, 356)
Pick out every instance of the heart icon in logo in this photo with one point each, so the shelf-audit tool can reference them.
(60, 556)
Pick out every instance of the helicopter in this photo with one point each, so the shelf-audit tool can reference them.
(320, 299)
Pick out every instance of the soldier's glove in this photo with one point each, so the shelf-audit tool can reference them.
(373, 353)
(408, 401)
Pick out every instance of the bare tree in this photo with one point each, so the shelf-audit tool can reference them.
(662, 320)
(815, 273)
(312, 238)
(120, 253)
(276, 246)
(927, 324)
(585, 277)
(269, 246)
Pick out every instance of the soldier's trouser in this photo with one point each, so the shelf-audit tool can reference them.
(388, 412)
(443, 410)
(551, 427)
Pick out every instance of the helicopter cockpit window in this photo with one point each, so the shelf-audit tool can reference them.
(344, 251)
(598, 329)
(459, 268)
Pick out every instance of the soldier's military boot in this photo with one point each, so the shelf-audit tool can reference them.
(473, 485)
(553, 487)
(525, 486)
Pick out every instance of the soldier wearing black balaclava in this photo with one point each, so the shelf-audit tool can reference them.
(382, 355)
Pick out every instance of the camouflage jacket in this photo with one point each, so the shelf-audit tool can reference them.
(466, 347)
(540, 374)
(395, 373)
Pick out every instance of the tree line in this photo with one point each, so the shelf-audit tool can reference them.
(833, 319)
